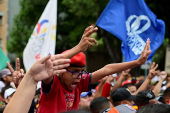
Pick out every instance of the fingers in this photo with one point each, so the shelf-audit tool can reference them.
(147, 47)
(55, 57)
(10, 67)
(61, 61)
(90, 32)
(59, 71)
(22, 71)
(44, 59)
(153, 65)
(92, 40)
(86, 30)
(156, 67)
(61, 66)
(17, 65)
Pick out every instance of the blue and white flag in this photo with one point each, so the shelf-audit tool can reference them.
(132, 22)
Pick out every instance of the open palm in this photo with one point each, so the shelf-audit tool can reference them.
(43, 68)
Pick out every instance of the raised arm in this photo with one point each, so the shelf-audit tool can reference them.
(121, 79)
(42, 69)
(81, 47)
(152, 73)
(99, 91)
(157, 89)
(118, 67)
(18, 74)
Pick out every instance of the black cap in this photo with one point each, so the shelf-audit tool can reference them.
(144, 96)
(121, 94)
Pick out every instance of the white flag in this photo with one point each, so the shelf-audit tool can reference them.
(43, 38)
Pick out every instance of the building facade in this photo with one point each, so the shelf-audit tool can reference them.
(8, 10)
(3, 24)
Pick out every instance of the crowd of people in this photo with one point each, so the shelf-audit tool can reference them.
(64, 86)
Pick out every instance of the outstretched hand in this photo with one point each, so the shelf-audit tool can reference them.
(163, 75)
(43, 68)
(152, 70)
(145, 53)
(86, 40)
(17, 75)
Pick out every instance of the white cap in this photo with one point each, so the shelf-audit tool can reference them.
(9, 92)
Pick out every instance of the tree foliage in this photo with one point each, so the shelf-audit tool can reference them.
(73, 17)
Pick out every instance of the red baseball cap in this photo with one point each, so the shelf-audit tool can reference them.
(78, 60)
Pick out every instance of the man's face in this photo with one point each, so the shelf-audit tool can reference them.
(132, 89)
(129, 102)
(9, 78)
(85, 101)
(67, 78)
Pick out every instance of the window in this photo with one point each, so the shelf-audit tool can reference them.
(1, 17)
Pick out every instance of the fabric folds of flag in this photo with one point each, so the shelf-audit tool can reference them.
(43, 39)
(132, 22)
(4, 60)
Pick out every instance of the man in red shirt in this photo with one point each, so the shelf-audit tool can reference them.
(62, 92)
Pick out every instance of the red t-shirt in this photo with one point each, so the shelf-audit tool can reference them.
(60, 98)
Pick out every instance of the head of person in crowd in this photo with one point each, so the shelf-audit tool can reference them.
(9, 93)
(3, 92)
(37, 95)
(155, 108)
(75, 72)
(153, 84)
(6, 76)
(168, 78)
(144, 98)
(122, 96)
(132, 87)
(99, 104)
(77, 111)
(166, 96)
(139, 83)
(140, 78)
(85, 99)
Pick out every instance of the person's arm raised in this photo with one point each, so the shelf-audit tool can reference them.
(157, 88)
(118, 67)
(152, 73)
(42, 69)
(18, 74)
(83, 44)
(121, 79)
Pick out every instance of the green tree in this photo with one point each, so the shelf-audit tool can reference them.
(73, 17)
(24, 24)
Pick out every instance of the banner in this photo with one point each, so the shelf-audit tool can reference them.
(132, 22)
(43, 39)
(4, 60)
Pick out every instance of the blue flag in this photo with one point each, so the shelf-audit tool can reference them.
(132, 22)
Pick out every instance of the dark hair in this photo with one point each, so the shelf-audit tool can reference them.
(76, 111)
(166, 94)
(154, 108)
(128, 85)
(143, 97)
(116, 103)
(99, 104)
(139, 84)
(3, 90)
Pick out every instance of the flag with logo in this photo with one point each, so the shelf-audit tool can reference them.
(43, 38)
(132, 22)
(3, 60)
